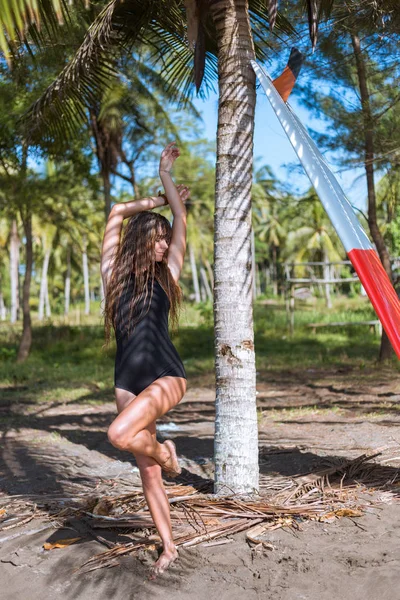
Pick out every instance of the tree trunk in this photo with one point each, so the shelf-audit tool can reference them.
(386, 350)
(26, 340)
(258, 281)
(47, 299)
(206, 284)
(85, 268)
(236, 431)
(210, 273)
(107, 192)
(195, 277)
(14, 268)
(43, 285)
(274, 272)
(67, 284)
(267, 278)
(105, 155)
(3, 312)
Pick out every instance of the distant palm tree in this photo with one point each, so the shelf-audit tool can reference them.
(45, 233)
(268, 217)
(313, 238)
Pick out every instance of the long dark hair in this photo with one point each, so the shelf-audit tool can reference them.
(135, 255)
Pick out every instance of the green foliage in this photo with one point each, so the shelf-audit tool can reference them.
(388, 198)
(311, 236)
(207, 313)
(330, 90)
(67, 361)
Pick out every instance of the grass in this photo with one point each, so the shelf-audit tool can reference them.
(67, 362)
(336, 346)
(299, 412)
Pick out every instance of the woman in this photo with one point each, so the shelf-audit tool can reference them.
(140, 277)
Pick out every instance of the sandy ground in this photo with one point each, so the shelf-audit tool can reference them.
(306, 420)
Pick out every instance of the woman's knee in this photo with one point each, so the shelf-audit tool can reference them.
(117, 436)
(128, 439)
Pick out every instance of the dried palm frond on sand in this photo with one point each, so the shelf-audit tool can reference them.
(203, 518)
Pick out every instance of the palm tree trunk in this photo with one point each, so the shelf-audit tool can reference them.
(236, 432)
(26, 340)
(258, 281)
(195, 277)
(3, 312)
(102, 143)
(67, 284)
(210, 273)
(14, 267)
(206, 284)
(107, 192)
(386, 350)
(43, 285)
(47, 299)
(267, 278)
(85, 269)
(274, 272)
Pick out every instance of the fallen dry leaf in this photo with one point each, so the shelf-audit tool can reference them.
(340, 512)
(60, 543)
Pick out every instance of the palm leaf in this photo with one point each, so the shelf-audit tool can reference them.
(37, 19)
(117, 28)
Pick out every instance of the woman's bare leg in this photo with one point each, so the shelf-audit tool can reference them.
(153, 488)
(129, 430)
(157, 501)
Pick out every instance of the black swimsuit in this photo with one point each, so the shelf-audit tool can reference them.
(147, 352)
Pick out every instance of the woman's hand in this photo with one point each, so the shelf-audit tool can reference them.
(183, 191)
(168, 157)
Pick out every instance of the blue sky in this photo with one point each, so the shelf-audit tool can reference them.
(272, 147)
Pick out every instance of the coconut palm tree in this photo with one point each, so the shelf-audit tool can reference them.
(6, 234)
(312, 238)
(46, 233)
(14, 270)
(268, 217)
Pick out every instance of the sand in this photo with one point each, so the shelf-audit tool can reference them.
(308, 418)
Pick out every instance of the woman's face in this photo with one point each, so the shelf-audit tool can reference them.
(161, 247)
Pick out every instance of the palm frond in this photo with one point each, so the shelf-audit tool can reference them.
(63, 106)
(37, 19)
(120, 25)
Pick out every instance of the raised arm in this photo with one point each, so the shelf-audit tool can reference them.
(177, 246)
(112, 233)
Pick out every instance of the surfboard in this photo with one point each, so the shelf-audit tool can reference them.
(359, 249)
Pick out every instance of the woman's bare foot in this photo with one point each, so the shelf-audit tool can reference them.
(171, 465)
(167, 557)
